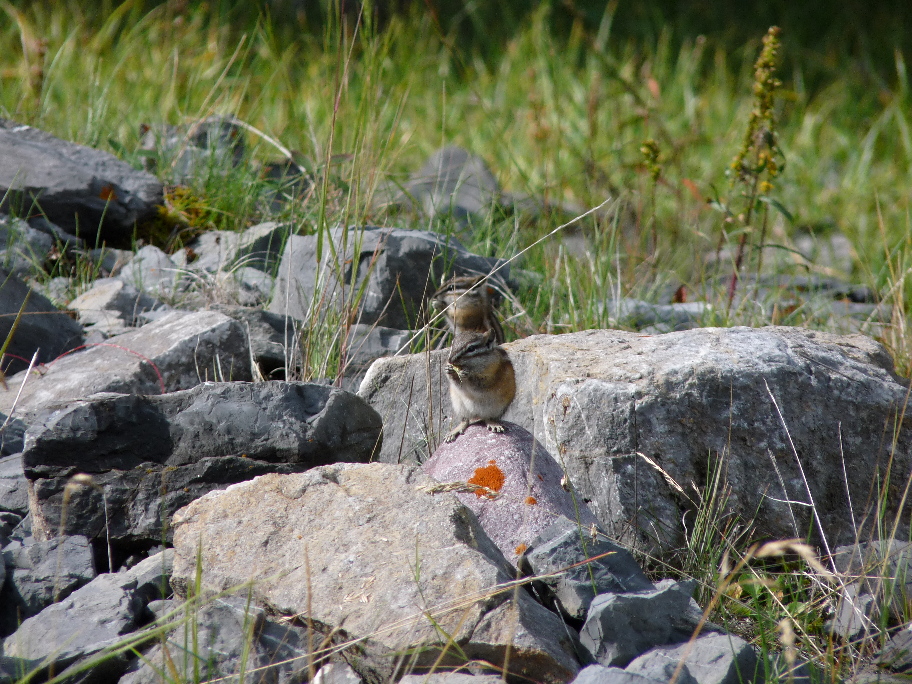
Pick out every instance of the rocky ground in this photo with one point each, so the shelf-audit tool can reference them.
(163, 480)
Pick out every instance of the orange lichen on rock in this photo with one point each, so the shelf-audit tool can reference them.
(531, 500)
(489, 476)
(521, 549)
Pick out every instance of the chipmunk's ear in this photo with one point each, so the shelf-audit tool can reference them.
(490, 338)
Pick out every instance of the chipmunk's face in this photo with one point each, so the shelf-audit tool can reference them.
(471, 350)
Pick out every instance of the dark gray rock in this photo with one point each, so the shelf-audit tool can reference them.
(619, 627)
(77, 188)
(8, 522)
(42, 327)
(109, 261)
(234, 637)
(445, 678)
(398, 270)
(271, 336)
(564, 544)
(710, 659)
(39, 573)
(656, 318)
(12, 432)
(178, 351)
(150, 455)
(189, 151)
(13, 485)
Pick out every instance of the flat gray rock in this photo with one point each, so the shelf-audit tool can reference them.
(178, 351)
(271, 531)
(13, 485)
(710, 659)
(76, 187)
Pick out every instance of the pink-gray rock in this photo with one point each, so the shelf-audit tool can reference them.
(526, 478)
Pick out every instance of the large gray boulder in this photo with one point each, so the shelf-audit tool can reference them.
(42, 327)
(259, 247)
(617, 406)
(708, 659)
(178, 351)
(150, 455)
(397, 269)
(414, 567)
(78, 188)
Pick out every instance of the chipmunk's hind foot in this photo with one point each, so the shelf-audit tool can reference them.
(495, 426)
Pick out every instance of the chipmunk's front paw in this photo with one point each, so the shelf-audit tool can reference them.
(495, 426)
(455, 432)
(451, 371)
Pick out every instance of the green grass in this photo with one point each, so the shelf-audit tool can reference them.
(559, 115)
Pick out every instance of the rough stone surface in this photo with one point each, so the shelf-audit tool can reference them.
(22, 247)
(39, 572)
(525, 477)
(150, 455)
(90, 619)
(111, 305)
(338, 673)
(42, 327)
(13, 485)
(710, 659)
(401, 268)
(564, 544)
(599, 674)
(234, 638)
(258, 247)
(619, 627)
(600, 398)
(152, 271)
(186, 348)
(271, 336)
(897, 652)
(451, 678)
(271, 531)
(187, 152)
(76, 187)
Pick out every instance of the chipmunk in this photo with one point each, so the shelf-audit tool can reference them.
(482, 381)
(469, 305)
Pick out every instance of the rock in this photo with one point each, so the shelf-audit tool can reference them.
(619, 627)
(339, 673)
(111, 305)
(397, 269)
(13, 485)
(885, 571)
(189, 151)
(599, 674)
(271, 532)
(451, 678)
(710, 659)
(233, 638)
(150, 455)
(897, 652)
(656, 318)
(58, 290)
(258, 247)
(452, 182)
(42, 327)
(564, 544)
(23, 249)
(80, 189)
(40, 573)
(367, 343)
(525, 478)
(271, 337)
(89, 620)
(599, 399)
(108, 261)
(152, 271)
(178, 351)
